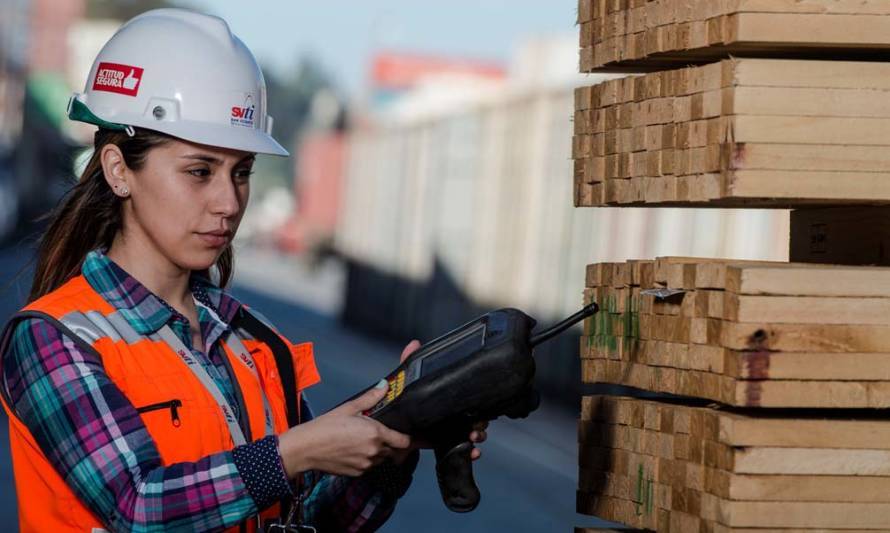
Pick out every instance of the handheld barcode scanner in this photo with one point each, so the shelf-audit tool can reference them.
(479, 371)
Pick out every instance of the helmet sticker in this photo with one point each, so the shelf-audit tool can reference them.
(117, 78)
(243, 115)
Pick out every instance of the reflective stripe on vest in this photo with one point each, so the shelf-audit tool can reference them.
(92, 325)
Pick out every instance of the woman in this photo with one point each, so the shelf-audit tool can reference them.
(141, 395)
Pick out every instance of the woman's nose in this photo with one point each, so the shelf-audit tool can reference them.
(226, 198)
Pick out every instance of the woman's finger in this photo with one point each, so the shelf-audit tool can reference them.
(478, 436)
(409, 349)
(475, 454)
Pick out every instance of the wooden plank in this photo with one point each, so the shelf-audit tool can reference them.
(805, 515)
(795, 366)
(595, 275)
(806, 73)
(806, 310)
(803, 431)
(811, 461)
(809, 488)
(805, 337)
(811, 130)
(803, 101)
(813, 280)
(806, 394)
(808, 30)
(815, 157)
(820, 7)
(712, 274)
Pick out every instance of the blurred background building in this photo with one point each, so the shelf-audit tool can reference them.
(430, 178)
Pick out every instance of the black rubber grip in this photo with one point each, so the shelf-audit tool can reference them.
(454, 470)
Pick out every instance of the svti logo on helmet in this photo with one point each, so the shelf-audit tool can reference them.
(117, 78)
(243, 115)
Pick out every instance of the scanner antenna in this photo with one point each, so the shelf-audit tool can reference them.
(559, 327)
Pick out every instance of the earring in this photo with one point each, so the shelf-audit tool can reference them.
(125, 191)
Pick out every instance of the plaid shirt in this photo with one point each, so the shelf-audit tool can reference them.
(91, 433)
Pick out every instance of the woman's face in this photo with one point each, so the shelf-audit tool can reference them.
(187, 201)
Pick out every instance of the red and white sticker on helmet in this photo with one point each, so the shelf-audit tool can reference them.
(117, 78)
(242, 115)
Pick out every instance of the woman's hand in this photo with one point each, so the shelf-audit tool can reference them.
(342, 441)
(478, 434)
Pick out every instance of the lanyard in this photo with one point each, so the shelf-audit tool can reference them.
(243, 355)
(167, 335)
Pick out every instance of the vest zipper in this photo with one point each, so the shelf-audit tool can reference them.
(173, 405)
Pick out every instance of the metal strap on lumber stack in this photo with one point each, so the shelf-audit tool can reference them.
(622, 35)
(672, 467)
(736, 133)
(747, 334)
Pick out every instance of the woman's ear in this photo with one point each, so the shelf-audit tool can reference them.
(115, 169)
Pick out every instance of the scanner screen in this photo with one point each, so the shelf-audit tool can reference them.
(464, 345)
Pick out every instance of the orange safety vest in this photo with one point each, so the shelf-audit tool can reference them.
(150, 373)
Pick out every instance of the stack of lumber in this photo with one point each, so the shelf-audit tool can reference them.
(736, 133)
(746, 334)
(621, 35)
(740, 103)
(672, 467)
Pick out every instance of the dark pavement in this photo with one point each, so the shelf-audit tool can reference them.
(528, 472)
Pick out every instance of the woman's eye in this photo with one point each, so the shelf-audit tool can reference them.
(244, 175)
(199, 172)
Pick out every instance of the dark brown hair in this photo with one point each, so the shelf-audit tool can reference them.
(90, 215)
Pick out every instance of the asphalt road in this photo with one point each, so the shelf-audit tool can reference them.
(528, 472)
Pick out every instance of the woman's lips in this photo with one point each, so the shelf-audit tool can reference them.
(215, 239)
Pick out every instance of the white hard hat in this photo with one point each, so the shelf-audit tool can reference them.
(182, 73)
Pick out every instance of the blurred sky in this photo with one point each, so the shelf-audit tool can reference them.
(343, 34)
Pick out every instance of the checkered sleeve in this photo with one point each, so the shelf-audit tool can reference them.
(93, 436)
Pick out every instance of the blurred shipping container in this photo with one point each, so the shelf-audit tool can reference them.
(451, 209)
(317, 183)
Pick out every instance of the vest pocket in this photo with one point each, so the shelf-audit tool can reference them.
(172, 405)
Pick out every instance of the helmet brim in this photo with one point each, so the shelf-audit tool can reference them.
(250, 140)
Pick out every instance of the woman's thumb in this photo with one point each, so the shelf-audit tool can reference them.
(371, 397)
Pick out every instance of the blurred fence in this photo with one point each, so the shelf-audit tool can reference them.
(450, 213)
